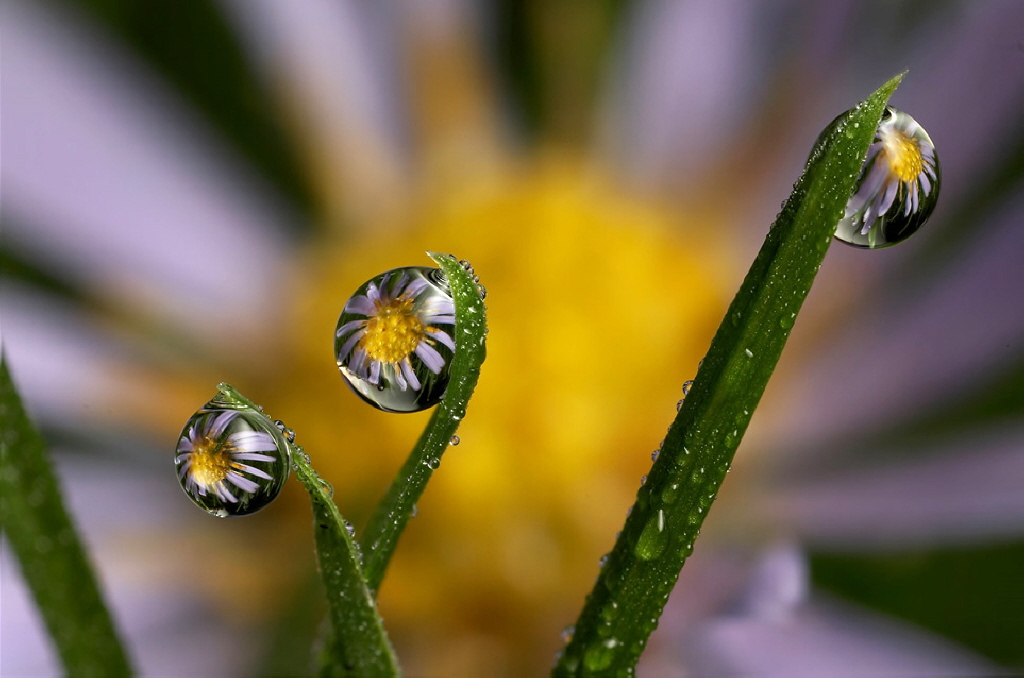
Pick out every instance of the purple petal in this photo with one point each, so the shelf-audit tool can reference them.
(252, 470)
(251, 456)
(430, 357)
(443, 338)
(346, 348)
(253, 441)
(220, 423)
(244, 484)
(410, 374)
(374, 377)
(360, 304)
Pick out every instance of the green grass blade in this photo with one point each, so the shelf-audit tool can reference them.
(356, 644)
(53, 559)
(624, 606)
(391, 515)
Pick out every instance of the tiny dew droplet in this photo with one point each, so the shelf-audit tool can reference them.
(687, 385)
(454, 440)
(898, 186)
(750, 354)
(231, 460)
(394, 342)
(654, 455)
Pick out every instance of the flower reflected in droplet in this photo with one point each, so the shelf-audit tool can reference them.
(229, 473)
(388, 344)
(898, 186)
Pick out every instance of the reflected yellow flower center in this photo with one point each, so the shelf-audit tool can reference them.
(210, 463)
(904, 155)
(393, 332)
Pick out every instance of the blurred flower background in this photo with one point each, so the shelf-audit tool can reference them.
(192, 190)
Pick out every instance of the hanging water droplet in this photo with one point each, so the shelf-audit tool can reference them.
(482, 291)
(898, 186)
(750, 354)
(414, 511)
(679, 404)
(433, 462)
(567, 634)
(454, 440)
(231, 460)
(395, 339)
(687, 385)
(654, 455)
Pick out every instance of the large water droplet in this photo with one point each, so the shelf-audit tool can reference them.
(395, 339)
(231, 461)
(898, 186)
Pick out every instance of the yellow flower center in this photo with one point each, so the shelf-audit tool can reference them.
(904, 155)
(210, 463)
(393, 332)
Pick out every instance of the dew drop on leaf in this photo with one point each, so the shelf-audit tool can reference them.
(231, 459)
(898, 186)
(395, 339)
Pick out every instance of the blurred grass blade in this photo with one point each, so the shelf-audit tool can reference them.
(624, 606)
(356, 644)
(53, 560)
(391, 515)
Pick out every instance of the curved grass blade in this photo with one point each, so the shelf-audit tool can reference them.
(53, 559)
(624, 606)
(391, 515)
(357, 644)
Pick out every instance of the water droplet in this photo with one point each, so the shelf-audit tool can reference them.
(603, 561)
(687, 385)
(454, 440)
(898, 186)
(327, 487)
(652, 539)
(750, 354)
(679, 404)
(654, 455)
(414, 511)
(670, 493)
(567, 634)
(599, 655)
(643, 480)
(433, 462)
(395, 339)
(231, 460)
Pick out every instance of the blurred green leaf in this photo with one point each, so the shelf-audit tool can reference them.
(624, 606)
(982, 601)
(52, 557)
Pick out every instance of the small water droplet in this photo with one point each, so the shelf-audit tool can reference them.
(414, 511)
(454, 440)
(433, 462)
(643, 480)
(652, 540)
(567, 634)
(750, 354)
(687, 385)
(654, 455)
